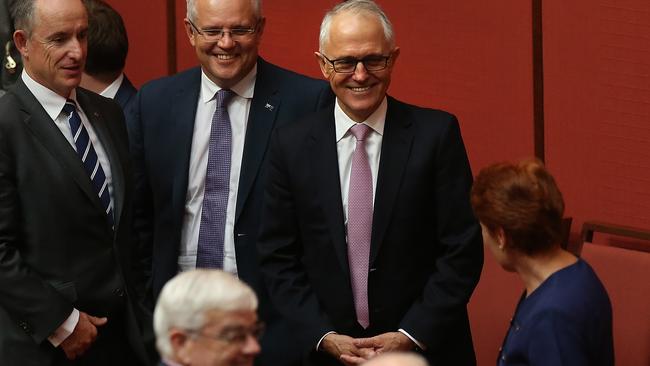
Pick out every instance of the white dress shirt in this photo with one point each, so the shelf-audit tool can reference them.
(53, 104)
(112, 89)
(345, 145)
(238, 111)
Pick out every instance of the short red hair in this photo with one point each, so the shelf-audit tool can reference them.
(522, 199)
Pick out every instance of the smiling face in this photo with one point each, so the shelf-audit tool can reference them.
(357, 36)
(226, 61)
(54, 53)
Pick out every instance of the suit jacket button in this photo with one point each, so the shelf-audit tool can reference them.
(119, 292)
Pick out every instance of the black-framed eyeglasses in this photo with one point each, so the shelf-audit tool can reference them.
(348, 65)
(233, 334)
(216, 34)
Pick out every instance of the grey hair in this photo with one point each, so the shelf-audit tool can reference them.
(186, 298)
(191, 9)
(22, 12)
(355, 7)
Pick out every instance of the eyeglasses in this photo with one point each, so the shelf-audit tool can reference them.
(234, 335)
(216, 34)
(348, 65)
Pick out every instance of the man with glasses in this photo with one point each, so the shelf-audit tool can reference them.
(368, 241)
(199, 140)
(207, 318)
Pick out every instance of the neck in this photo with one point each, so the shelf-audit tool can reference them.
(534, 270)
(97, 83)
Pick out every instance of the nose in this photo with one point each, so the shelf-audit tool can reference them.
(226, 41)
(77, 47)
(360, 73)
(252, 345)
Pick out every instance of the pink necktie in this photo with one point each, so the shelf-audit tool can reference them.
(360, 223)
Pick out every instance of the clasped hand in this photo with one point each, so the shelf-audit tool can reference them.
(354, 351)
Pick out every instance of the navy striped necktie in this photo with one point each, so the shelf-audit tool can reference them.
(89, 158)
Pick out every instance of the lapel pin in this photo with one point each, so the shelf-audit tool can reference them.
(269, 107)
(95, 114)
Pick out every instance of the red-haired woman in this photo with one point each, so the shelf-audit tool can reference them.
(564, 316)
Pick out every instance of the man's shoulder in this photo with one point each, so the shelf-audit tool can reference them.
(419, 112)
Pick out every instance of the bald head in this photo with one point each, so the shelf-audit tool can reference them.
(397, 359)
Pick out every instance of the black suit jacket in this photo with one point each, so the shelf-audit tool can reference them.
(161, 128)
(426, 253)
(57, 250)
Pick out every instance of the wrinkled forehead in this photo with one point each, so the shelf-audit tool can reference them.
(356, 34)
(225, 13)
(53, 16)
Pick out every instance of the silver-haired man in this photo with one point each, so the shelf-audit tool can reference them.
(207, 317)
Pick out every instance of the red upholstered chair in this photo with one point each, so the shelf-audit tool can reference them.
(625, 272)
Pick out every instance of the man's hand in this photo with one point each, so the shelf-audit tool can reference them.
(342, 347)
(83, 335)
(386, 342)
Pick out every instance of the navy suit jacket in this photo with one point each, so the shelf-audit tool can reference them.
(125, 95)
(160, 129)
(426, 249)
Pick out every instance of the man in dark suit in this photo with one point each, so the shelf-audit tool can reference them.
(186, 143)
(65, 204)
(368, 241)
(108, 46)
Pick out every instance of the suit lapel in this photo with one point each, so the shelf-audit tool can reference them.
(42, 126)
(182, 115)
(100, 124)
(395, 150)
(327, 185)
(264, 107)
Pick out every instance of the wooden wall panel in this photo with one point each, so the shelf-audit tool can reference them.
(146, 26)
(597, 81)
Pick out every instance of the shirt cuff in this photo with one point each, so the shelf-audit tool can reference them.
(417, 343)
(323, 337)
(65, 329)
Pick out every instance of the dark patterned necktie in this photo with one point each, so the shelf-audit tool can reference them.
(217, 186)
(360, 223)
(89, 158)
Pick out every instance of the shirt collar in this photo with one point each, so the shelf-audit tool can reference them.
(244, 88)
(52, 102)
(112, 89)
(376, 120)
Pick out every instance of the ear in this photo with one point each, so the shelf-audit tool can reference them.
(190, 32)
(395, 56)
(325, 68)
(20, 40)
(177, 339)
(500, 236)
(260, 28)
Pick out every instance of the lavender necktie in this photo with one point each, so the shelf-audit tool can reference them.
(217, 186)
(360, 223)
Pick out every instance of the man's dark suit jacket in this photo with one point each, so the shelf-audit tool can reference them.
(125, 95)
(161, 128)
(57, 250)
(426, 249)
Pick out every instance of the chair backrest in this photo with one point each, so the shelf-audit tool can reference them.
(625, 273)
(491, 308)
